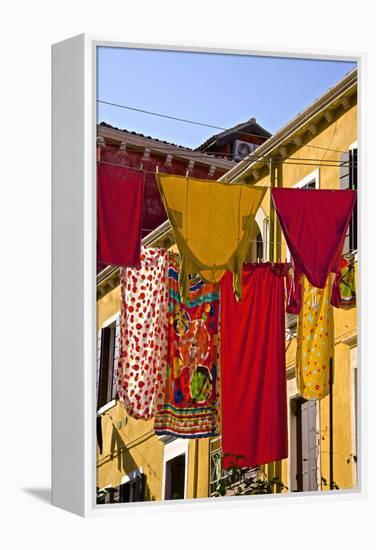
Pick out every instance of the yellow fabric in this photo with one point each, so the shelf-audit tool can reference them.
(315, 341)
(212, 223)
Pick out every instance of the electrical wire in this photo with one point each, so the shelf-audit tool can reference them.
(197, 155)
(169, 174)
(166, 116)
(197, 123)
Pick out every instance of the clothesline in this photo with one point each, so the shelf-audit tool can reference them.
(193, 155)
(139, 169)
(170, 340)
(197, 123)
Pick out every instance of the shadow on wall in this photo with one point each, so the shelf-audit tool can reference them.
(147, 493)
(125, 461)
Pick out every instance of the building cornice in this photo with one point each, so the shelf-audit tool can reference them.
(123, 139)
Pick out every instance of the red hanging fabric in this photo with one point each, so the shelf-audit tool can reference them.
(254, 409)
(119, 198)
(314, 224)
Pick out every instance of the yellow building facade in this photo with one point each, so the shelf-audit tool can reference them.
(307, 152)
(130, 446)
(322, 154)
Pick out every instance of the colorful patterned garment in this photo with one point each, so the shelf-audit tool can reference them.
(315, 341)
(192, 386)
(140, 376)
(343, 293)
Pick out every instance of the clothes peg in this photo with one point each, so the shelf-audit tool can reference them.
(157, 169)
(141, 166)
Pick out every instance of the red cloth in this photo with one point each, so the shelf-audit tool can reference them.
(119, 198)
(254, 409)
(294, 291)
(314, 223)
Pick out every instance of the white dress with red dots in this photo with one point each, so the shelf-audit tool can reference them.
(140, 375)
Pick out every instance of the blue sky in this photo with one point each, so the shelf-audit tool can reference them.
(217, 89)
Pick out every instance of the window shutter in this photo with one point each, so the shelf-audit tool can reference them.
(305, 467)
(353, 245)
(104, 366)
(309, 457)
(139, 488)
(116, 356)
(125, 492)
(99, 434)
(344, 183)
(98, 368)
(312, 446)
(344, 171)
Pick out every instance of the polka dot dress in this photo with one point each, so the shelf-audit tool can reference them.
(140, 375)
(315, 341)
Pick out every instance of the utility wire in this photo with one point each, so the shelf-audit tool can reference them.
(197, 123)
(164, 116)
(171, 174)
(198, 155)
(161, 173)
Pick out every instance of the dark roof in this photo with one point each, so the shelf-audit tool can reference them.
(248, 127)
(106, 125)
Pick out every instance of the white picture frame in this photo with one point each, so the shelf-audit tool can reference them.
(74, 277)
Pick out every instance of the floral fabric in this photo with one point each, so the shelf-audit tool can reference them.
(140, 376)
(191, 394)
(315, 341)
(344, 293)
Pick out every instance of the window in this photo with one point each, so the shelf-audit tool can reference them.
(216, 470)
(228, 482)
(107, 356)
(265, 231)
(259, 247)
(311, 181)
(175, 478)
(133, 490)
(348, 178)
(304, 445)
(175, 465)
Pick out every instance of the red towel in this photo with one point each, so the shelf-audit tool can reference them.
(314, 223)
(254, 409)
(120, 196)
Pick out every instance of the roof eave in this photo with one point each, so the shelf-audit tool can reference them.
(179, 152)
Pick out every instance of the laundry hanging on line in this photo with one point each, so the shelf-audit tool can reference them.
(253, 370)
(119, 212)
(191, 407)
(140, 375)
(314, 223)
(315, 341)
(344, 292)
(212, 223)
